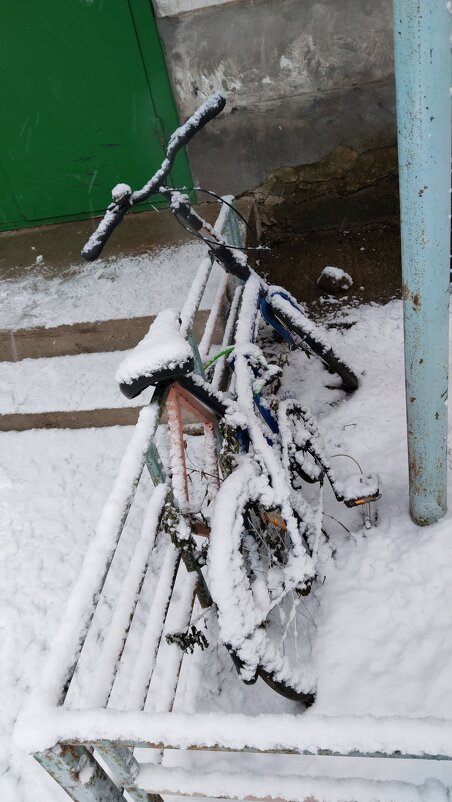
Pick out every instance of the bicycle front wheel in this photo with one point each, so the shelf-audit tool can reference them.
(260, 577)
(312, 336)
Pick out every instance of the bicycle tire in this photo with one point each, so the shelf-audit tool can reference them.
(261, 640)
(288, 312)
(307, 699)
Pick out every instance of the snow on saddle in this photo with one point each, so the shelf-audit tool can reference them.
(163, 354)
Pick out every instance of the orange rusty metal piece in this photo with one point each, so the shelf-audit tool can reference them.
(191, 403)
(175, 426)
(178, 398)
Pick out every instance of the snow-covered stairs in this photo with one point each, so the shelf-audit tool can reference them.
(63, 377)
(63, 331)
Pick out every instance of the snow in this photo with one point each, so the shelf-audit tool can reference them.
(242, 785)
(227, 337)
(64, 383)
(117, 288)
(120, 191)
(335, 272)
(281, 301)
(102, 676)
(206, 270)
(210, 108)
(383, 645)
(52, 487)
(247, 321)
(194, 296)
(338, 275)
(78, 613)
(307, 733)
(163, 348)
(138, 680)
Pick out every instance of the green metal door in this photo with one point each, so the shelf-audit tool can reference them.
(86, 103)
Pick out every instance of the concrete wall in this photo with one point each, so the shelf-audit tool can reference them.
(301, 77)
(172, 8)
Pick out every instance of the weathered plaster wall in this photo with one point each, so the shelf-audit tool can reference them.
(302, 78)
(170, 8)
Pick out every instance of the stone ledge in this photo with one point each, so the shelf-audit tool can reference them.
(346, 188)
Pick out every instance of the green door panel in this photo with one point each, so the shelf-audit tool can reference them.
(9, 207)
(79, 91)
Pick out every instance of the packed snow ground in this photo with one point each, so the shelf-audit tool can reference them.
(383, 642)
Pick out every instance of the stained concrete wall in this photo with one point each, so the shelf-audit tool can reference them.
(301, 77)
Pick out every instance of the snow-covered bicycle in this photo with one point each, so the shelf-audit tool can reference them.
(266, 536)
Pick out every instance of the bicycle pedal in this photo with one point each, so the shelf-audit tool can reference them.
(359, 489)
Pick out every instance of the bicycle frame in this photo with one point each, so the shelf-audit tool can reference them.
(235, 263)
(259, 427)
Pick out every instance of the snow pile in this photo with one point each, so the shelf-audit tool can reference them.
(334, 279)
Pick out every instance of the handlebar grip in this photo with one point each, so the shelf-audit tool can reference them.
(181, 136)
(207, 112)
(179, 205)
(112, 218)
(233, 261)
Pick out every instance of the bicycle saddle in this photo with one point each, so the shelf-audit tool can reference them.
(162, 355)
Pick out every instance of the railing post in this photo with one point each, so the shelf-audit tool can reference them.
(422, 68)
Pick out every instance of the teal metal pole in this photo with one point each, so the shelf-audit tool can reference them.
(422, 68)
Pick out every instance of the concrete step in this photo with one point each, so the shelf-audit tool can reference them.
(81, 419)
(80, 338)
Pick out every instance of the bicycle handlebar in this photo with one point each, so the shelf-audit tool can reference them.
(124, 198)
(232, 260)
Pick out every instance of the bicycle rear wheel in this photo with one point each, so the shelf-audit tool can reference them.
(260, 577)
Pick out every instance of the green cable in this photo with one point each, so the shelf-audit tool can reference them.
(226, 352)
